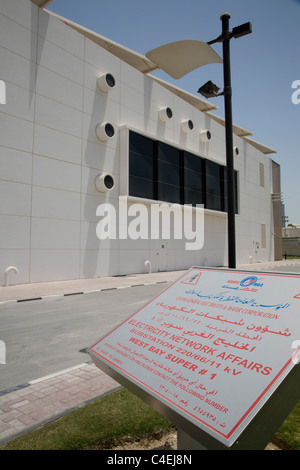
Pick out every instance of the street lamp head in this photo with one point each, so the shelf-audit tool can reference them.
(241, 30)
(225, 15)
(209, 90)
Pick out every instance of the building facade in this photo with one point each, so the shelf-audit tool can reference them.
(291, 240)
(85, 129)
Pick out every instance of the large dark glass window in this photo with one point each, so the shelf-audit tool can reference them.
(214, 186)
(161, 172)
(194, 183)
(140, 144)
(141, 166)
(168, 173)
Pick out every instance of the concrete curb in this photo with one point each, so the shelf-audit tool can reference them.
(79, 293)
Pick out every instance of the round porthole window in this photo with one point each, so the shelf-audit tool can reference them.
(108, 181)
(165, 114)
(105, 131)
(187, 125)
(106, 82)
(109, 130)
(169, 112)
(110, 80)
(104, 182)
(205, 135)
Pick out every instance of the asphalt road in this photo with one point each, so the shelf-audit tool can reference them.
(46, 336)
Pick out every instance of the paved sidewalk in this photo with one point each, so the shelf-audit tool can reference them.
(40, 401)
(39, 290)
(33, 404)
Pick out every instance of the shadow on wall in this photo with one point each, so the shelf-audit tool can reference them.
(97, 157)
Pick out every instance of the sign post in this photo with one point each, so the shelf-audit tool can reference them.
(216, 352)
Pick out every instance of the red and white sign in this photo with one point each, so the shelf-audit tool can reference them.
(213, 346)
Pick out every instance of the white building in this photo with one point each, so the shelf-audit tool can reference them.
(51, 157)
(291, 240)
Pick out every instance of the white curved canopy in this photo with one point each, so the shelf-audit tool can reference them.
(181, 57)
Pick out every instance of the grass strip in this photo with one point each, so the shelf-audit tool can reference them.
(111, 418)
(289, 431)
(114, 417)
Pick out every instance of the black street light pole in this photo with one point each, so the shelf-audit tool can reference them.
(227, 92)
(229, 142)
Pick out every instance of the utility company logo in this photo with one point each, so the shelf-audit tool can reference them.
(151, 221)
(2, 92)
(250, 283)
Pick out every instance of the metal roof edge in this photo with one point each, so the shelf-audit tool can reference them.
(238, 130)
(261, 147)
(136, 60)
